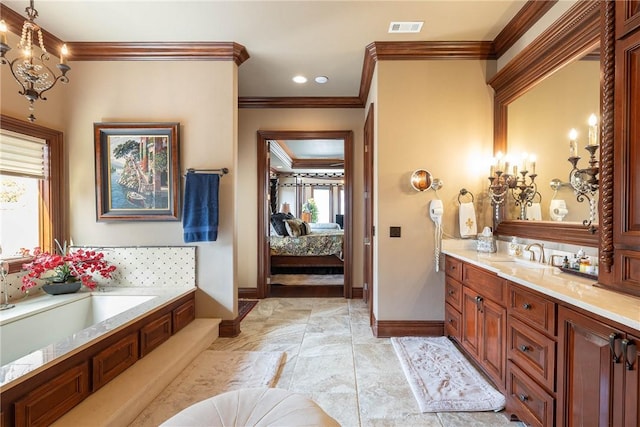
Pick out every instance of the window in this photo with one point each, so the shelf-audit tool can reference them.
(322, 196)
(37, 183)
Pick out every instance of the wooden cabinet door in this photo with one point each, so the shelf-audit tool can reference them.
(470, 321)
(632, 383)
(585, 371)
(493, 333)
(627, 17)
(626, 195)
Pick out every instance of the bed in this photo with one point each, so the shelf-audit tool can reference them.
(321, 248)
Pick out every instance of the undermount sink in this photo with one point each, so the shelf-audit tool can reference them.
(521, 263)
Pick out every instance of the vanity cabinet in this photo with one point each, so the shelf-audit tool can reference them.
(598, 372)
(484, 321)
(453, 298)
(531, 354)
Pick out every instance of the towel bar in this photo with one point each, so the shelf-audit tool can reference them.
(221, 171)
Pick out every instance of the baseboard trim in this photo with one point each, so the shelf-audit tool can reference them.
(404, 328)
(248, 293)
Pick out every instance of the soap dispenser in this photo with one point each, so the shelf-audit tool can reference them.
(514, 247)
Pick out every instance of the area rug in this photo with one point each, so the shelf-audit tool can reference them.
(213, 372)
(244, 307)
(442, 379)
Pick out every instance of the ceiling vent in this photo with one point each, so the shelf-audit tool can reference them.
(405, 27)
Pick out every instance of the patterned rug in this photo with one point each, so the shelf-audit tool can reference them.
(442, 379)
(211, 373)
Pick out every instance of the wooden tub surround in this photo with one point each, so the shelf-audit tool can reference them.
(48, 393)
(564, 352)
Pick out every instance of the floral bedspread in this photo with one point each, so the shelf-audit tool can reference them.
(324, 242)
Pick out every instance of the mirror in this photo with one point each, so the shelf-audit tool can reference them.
(572, 36)
(539, 123)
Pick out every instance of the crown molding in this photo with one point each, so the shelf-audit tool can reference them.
(528, 15)
(154, 51)
(300, 102)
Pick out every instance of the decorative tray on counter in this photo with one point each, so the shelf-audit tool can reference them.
(579, 273)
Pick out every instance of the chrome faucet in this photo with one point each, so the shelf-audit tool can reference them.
(533, 254)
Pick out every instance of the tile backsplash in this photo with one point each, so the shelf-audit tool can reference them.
(137, 266)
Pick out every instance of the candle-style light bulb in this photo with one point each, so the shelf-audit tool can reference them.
(499, 161)
(64, 51)
(3, 32)
(532, 161)
(524, 161)
(573, 143)
(593, 130)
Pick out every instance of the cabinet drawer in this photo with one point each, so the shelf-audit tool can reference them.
(183, 315)
(453, 293)
(527, 399)
(47, 403)
(112, 361)
(487, 284)
(532, 308)
(452, 319)
(533, 352)
(453, 268)
(154, 333)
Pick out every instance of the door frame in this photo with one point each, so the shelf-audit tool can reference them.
(263, 250)
(369, 231)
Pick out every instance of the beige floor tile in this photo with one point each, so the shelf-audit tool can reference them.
(333, 358)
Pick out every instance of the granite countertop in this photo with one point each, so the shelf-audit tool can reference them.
(551, 281)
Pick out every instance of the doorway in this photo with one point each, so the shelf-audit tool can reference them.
(266, 209)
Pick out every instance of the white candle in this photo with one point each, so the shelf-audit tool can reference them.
(593, 130)
(532, 159)
(3, 32)
(573, 143)
(63, 52)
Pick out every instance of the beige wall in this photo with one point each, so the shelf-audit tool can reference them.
(156, 92)
(540, 120)
(435, 115)
(252, 120)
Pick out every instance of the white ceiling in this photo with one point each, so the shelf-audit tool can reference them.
(283, 38)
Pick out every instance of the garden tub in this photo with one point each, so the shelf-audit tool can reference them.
(42, 330)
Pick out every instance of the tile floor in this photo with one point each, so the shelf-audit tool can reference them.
(333, 358)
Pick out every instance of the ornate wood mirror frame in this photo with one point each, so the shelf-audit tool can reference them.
(573, 35)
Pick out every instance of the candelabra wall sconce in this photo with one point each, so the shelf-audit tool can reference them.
(584, 181)
(520, 183)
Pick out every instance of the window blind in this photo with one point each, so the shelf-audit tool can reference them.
(22, 155)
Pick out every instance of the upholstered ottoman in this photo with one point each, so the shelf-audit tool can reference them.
(253, 407)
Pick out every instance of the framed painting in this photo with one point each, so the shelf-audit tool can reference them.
(137, 171)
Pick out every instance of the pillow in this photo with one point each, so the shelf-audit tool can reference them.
(277, 220)
(296, 227)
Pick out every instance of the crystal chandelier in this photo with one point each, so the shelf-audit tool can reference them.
(29, 70)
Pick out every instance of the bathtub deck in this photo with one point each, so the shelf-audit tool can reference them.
(120, 401)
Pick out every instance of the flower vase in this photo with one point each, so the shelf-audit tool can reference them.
(55, 288)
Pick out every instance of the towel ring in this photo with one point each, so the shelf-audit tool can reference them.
(464, 192)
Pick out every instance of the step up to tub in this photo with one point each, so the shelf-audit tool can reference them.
(120, 401)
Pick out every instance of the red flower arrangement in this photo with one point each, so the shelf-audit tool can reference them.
(68, 267)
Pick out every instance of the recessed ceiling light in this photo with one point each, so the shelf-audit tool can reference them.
(322, 79)
(300, 79)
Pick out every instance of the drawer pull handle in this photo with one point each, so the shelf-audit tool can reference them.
(628, 358)
(612, 345)
(450, 320)
(451, 292)
(526, 306)
(523, 397)
(525, 348)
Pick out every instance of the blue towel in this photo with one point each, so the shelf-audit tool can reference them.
(200, 216)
